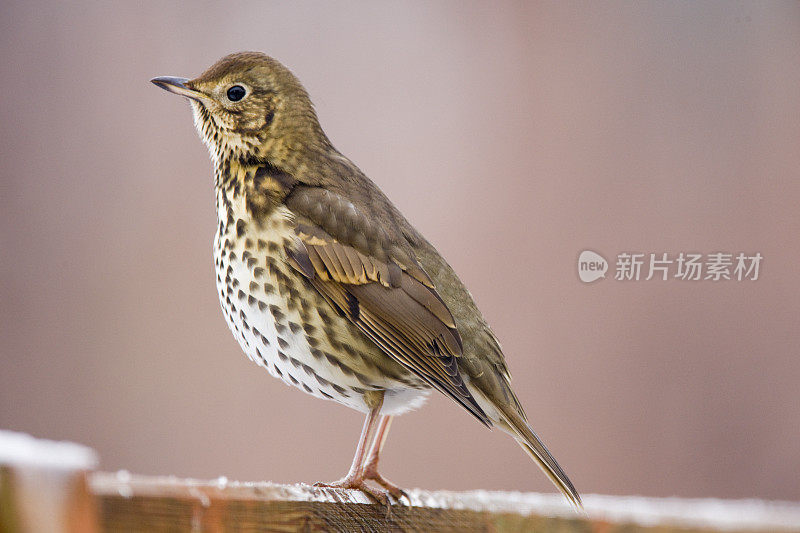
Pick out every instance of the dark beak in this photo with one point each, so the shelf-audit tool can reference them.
(178, 86)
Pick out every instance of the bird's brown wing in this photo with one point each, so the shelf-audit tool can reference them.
(377, 283)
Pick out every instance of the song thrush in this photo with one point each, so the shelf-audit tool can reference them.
(323, 281)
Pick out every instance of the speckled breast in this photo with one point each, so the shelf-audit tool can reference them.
(284, 325)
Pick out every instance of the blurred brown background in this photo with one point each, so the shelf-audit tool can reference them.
(514, 136)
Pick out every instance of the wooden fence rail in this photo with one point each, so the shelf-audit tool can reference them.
(43, 492)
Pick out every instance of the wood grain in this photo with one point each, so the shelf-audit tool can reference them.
(135, 503)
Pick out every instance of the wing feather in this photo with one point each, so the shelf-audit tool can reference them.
(378, 284)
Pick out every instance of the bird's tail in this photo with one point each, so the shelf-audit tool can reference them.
(512, 421)
(534, 447)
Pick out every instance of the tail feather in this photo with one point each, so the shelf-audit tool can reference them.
(552, 470)
(502, 407)
(518, 427)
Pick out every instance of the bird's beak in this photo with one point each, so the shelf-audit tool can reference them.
(178, 86)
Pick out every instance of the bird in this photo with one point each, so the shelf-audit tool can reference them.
(325, 283)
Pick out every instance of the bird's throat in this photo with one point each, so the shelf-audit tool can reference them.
(260, 186)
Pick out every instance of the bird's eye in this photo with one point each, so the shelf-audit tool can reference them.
(236, 93)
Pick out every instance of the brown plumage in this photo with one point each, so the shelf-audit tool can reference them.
(325, 283)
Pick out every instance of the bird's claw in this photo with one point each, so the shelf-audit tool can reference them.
(396, 492)
(379, 495)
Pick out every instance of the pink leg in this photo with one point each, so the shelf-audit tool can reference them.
(355, 476)
(367, 433)
(370, 469)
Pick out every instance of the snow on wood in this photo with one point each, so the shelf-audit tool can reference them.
(22, 450)
(689, 514)
(43, 485)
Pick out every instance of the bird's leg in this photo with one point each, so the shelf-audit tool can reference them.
(355, 476)
(355, 473)
(370, 469)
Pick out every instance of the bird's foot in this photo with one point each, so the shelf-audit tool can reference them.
(371, 473)
(359, 483)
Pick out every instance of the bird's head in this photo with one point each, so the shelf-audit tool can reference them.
(248, 106)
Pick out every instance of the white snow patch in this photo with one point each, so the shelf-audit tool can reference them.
(706, 512)
(20, 449)
(200, 495)
(124, 479)
(721, 515)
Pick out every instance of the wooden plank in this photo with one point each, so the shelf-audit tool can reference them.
(43, 486)
(46, 486)
(136, 503)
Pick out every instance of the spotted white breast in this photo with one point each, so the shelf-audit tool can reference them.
(284, 325)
